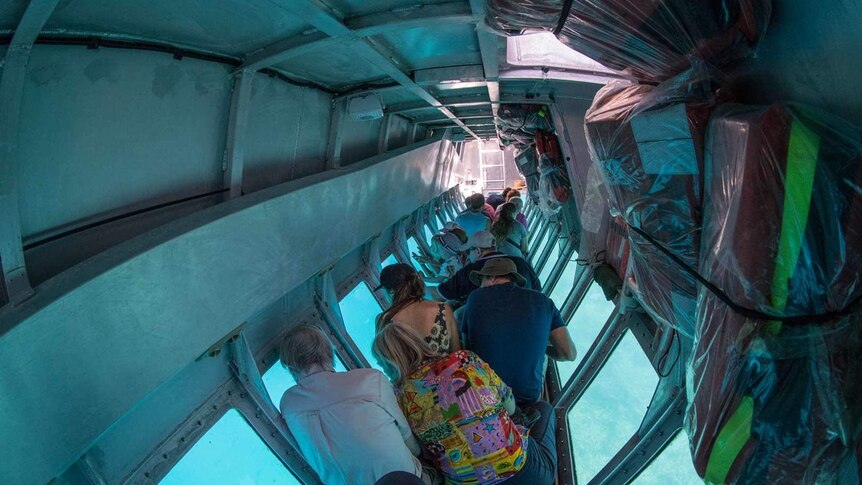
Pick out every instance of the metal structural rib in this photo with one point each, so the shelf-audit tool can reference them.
(15, 285)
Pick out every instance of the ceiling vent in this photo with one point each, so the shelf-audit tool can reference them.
(365, 108)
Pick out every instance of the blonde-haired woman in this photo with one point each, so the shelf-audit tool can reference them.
(461, 412)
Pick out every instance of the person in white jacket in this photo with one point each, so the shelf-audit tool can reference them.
(348, 424)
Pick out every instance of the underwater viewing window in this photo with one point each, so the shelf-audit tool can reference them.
(566, 282)
(673, 465)
(553, 257)
(230, 452)
(359, 309)
(538, 246)
(585, 325)
(278, 379)
(413, 247)
(389, 261)
(427, 232)
(611, 410)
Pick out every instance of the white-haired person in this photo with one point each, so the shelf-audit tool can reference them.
(462, 413)
(348, 424)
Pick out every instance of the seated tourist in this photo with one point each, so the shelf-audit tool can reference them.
(474, 219)
(511, 236)
(494, 199)
(462, 413)
(519, 204)
(510, 328)
(448, 252)
(348, 424)
(433, 320)
(459, 286)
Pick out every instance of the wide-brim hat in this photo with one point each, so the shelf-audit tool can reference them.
(498, 267)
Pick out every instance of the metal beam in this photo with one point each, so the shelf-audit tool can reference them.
(560, 75)
(490, 61)
(462, 118)
(15, 286)
(236, 132)
(330, 25)
(456, 77)
(450, 125)
(336, 134)
(459, 102)
(379, 23)
(385, 131)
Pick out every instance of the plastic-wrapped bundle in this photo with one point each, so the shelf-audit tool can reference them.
(651, 40)
(525, 118)
(518, 124)
(774, 400)
(528, 165)
(554, 186)
(649, 145)
(519, 16)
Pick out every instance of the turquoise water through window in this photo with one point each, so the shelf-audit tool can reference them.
(585, 325)
(359, 309)
(229, 453)
(612, 408)
(413, 248)
(566, 282)
(550, 262)
(390, 260)
(428, 233)
(672, 467)
(538, 247)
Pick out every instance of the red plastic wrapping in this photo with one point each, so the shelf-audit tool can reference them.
(649, 144)
(772, 401)
(651, 40)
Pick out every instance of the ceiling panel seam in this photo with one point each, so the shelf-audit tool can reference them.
(330, 25)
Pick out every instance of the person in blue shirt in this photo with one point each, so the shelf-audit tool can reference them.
(511, 327)
(474, 219)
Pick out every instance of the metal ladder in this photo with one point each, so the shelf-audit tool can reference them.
(493, 169)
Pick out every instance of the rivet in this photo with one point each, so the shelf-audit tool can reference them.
(200, 423)
(165, 456)
(272, 434)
